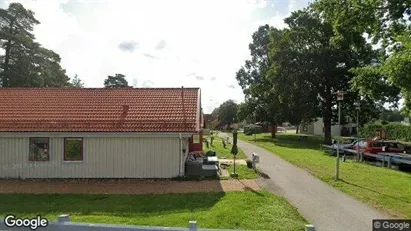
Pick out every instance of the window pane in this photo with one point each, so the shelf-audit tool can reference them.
(196, 139)
(377, 145)
(39, 149)
(73, 149)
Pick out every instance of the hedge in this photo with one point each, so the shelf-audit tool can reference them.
(394, 131)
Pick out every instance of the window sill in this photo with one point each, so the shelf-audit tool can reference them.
(73, 161)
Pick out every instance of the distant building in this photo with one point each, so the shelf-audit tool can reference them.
(317, 128)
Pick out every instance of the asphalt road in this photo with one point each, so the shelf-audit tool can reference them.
(327, 208)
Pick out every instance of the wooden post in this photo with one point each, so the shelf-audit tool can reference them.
(63, 218)
(309, 228)
(192, 225)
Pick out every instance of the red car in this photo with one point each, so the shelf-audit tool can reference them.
(377, 146)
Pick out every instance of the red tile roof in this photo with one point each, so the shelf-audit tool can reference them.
(99, 110)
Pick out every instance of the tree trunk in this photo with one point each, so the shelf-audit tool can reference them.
(297, 129)
(273, 130)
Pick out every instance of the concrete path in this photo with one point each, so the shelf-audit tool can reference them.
(327, 208)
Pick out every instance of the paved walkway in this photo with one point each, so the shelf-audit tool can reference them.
(124, 186)
(327, 208)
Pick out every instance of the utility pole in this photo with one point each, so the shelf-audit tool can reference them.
(357, 105)
(340, 97)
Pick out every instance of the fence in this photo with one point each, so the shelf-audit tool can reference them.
(63, 224)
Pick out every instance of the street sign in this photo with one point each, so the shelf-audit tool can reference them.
(340, 96)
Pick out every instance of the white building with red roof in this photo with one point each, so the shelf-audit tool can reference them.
(98, 132)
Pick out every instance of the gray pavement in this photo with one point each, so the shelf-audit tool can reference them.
(327, 208)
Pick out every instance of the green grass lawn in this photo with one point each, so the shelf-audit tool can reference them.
(243, 172)
(221, 151)
(386, 189)
(251, 210)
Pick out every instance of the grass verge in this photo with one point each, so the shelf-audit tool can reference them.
(250, 210)
(243, 172)
(385, 189)
(221, 151)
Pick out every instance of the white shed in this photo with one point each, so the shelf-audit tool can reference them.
(96, 132)
(317, 128)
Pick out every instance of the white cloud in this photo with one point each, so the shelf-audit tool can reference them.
(207, 38)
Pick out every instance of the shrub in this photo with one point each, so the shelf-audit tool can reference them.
(210, 153)
(395, 131)
(249, 164)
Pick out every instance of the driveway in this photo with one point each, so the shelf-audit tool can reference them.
(327, 208)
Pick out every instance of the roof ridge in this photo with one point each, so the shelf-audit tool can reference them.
(96, 88)
(98, 109)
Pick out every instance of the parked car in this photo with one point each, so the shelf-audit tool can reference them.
(377, 146)
(348, 145)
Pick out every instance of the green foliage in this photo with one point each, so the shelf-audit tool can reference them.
(395, 131)
(227, 112)
(76, 82)
(391, 115)
(371, 83)
(116, 81)
(261, 99)
(381, 19)
(386, 22)
(26, 63)
(319, 66)
(249, 164)
(384, 122)
(245, 111)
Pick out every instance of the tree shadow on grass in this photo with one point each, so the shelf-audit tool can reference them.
(377, 192)
(246, 188)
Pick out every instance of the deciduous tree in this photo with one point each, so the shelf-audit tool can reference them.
(76, 82)
(116, 81)
(227, 113)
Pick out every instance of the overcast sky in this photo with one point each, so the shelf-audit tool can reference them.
(167, 43)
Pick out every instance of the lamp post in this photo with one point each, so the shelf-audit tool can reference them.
(234, 150)
(340, 98)
(357, 106)
(254, 128)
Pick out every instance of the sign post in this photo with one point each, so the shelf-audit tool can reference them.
(357, 106)
(234, 151)
(340, 98)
